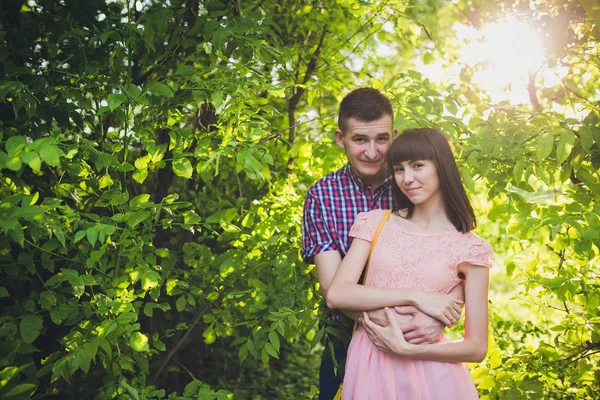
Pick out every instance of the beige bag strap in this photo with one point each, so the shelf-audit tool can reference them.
(386, 216)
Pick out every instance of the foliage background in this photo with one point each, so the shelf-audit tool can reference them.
(154, 158)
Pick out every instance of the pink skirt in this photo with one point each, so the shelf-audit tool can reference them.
(374, 375)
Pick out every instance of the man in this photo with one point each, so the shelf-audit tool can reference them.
(365, 132)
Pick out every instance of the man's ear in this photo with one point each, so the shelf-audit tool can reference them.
(394, 133)
(339, 138)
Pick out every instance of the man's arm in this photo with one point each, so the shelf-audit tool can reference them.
(327, 264)
(421, 328)
(418, 327)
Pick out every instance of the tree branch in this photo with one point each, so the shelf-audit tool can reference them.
(175, 348)
(299, 90)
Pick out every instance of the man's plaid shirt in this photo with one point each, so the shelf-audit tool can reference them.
(331, 206)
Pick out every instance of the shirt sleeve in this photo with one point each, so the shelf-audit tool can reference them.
(365, 225)
(479, 253)
(316, 237)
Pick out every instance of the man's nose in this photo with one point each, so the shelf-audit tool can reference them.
(371, 151)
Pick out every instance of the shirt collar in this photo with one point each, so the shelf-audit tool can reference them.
(361, 185)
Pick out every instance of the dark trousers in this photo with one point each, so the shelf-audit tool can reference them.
(329, 382)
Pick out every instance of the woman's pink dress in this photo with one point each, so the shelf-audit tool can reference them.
(412, 261)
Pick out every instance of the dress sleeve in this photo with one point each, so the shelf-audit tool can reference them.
(316, 237)
(479, 253)
(365, 225)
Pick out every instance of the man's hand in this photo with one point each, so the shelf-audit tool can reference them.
(381, 318)
(389, 338)
(421, 328)
(418, 328)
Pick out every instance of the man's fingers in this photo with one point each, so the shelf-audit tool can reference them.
(413, 335)
(408, 327)
(367, 321)
(391, 318)
(405, 310)
(417, 340)
(455, 315)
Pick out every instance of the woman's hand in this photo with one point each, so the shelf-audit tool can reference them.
(387, 338)
(443, 307)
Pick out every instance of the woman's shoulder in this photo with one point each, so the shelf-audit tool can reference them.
(475, 240)
(371, 215)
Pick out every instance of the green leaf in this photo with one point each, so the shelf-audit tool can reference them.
(133, 219)
(47, 300)
(159, 89)
(131, 390)
(3, 292)
(140, 175)
(15, 144)
(139, 201)
(271, 350)
(183, 167)
(139, 342)
(498, 212)
(192, 388)
(81, 360)
(209, 335)
(586, 136)
(59, 314)
(180, 304)
(160, 345)
(518, 170)
(60, 235)
(565, 145)
(51, 155)
(92, 235)
(14, 164)
(78, 236)
(545, 146)
(150, 279)
(274, 339)
(135, 93)
(115, 100)
(30, 327)
(33, 160)
(21, 389)
(17, 234)
(28, 212)
(487, 383)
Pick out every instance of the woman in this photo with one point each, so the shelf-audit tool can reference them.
(424, 249)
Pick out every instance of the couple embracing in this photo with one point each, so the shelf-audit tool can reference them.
(399, 210)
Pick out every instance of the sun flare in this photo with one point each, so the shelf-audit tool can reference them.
(503, 54)
(508, 51)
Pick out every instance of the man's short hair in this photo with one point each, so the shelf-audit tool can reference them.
(364, 104)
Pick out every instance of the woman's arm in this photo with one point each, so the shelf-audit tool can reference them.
(345, 293)
(472, 348)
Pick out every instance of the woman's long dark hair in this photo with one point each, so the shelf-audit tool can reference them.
(431, 144)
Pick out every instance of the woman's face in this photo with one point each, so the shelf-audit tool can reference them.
(418, 180)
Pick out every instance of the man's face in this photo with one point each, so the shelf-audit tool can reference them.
(366, 144)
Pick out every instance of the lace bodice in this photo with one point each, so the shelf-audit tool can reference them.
(407, 260)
